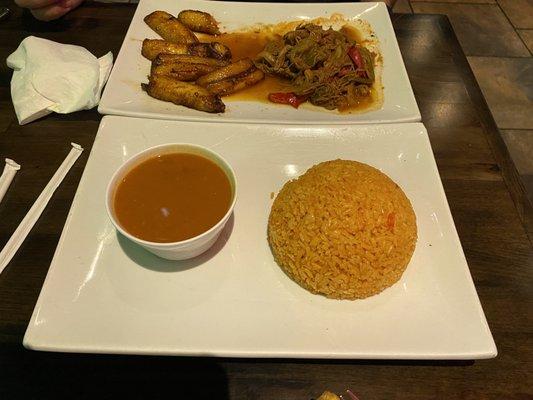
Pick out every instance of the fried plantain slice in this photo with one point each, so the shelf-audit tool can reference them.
(233, 69)
(152, 47)
(236, 83)
(163, 58)
(215, 50)
(170, 28)
(199, 21)
(220, 51)
(183, 93)
(182, 71)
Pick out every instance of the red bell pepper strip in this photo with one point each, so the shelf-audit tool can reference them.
(287, 98)
(391, 221)
(355, 55)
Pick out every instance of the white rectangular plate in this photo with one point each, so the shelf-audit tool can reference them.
(105, 294)
(123, 94)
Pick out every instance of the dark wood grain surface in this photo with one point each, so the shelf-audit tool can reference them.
(485, 196)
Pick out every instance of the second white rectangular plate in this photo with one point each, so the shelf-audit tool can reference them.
(105, 294)
(123, 94)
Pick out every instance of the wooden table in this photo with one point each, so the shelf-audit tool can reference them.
(485, 197)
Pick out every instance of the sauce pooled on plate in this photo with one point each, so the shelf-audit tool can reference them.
(172, 197)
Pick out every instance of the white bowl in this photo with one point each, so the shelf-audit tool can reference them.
(186, 248)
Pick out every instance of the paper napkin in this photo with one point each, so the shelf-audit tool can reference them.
(54, 77)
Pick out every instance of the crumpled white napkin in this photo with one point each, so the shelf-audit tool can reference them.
(54, 77)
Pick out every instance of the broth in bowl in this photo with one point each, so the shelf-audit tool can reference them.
(172, 197)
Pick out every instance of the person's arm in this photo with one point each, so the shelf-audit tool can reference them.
(47, 10)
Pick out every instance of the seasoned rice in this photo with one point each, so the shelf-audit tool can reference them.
(343, 230)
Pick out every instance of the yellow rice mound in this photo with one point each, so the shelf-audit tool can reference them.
(343, 230)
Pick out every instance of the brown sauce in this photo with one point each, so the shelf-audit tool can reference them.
(244, 44)
(172, 197)
(248, 44)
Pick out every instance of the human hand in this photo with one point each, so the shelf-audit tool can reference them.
(47, 10)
